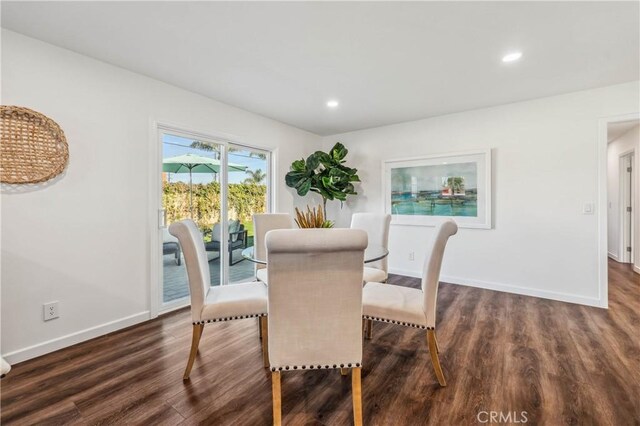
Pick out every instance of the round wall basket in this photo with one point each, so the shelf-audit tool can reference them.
(33, 148)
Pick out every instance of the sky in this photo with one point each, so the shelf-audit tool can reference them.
(173, 146)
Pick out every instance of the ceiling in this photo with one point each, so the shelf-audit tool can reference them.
(615, 130)
(385, 62)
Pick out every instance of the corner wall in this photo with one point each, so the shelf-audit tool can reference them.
(83, 240)
(545, 169)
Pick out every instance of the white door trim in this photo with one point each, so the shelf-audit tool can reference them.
(625, 192)
(603, 276)
(156, 127)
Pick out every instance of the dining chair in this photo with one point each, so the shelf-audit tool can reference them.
(377, 228)
(315, 305)
(412, 307)
(263, 223)
(219, 303)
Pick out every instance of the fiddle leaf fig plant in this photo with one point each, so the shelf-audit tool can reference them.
(325, 174)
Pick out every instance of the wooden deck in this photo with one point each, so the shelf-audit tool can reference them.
(175, 277)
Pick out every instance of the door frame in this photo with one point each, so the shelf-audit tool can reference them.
(156, 128)
(602, 210)
(627, 189)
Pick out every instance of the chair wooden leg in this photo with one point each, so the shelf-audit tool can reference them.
(195, 341)
(277, 398)
(369, 329)
(344, 371)
(433, 351)
(356, 391)
(260, 326)
(264, 328)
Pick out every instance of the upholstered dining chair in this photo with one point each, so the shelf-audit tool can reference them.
(315, 305)
(214, 304)
(410, 306)
(377, 228)
(263, 223)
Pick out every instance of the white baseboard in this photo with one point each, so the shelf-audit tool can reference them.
(74, 338)
(636, 269)
(524, 291)
(613, 256)
(406, 272)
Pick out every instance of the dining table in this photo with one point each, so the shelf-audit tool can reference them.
(371, 254)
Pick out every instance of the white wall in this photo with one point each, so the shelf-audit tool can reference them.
(545, 169)
(84, 240)
(630, 140)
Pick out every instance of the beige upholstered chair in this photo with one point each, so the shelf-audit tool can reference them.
(377, 228)
(263, 223)
(410, 306)
(220, 303)
(315, 305)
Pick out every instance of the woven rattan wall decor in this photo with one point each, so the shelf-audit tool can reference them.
(32, 146)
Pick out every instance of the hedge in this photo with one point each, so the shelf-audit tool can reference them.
(245, 199)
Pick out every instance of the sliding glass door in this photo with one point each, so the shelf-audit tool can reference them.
(219, 186)
(248, 188)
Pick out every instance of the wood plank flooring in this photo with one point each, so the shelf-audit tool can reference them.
(559, 362)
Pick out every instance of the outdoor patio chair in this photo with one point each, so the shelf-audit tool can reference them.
(237, 239)
(170, 245)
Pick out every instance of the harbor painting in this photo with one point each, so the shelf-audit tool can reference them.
(423, 191)
(436, 190)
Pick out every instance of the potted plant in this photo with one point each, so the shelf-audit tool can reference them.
(312, 219)
(325, 174)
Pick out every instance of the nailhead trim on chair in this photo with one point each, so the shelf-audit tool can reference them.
(408, 324)
(317, 367)
(229, 318)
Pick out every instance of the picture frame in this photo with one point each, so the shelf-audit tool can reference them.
(421, 191)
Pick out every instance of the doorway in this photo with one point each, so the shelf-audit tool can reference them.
(622, 147)
(219, 185)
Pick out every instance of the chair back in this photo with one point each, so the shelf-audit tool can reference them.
(377, 227)
(432, 265)
(315, 298)
(195, 258)
(263, 223)
(216, 231)
(167, 237)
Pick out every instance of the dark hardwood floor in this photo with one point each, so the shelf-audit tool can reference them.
(559, 362)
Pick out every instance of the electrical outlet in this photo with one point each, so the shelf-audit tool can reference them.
(50, 311)
(412, 256)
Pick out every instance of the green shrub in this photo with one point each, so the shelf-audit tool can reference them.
(245, 199)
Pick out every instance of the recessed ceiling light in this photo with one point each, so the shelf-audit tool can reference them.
(512, 57)
(333, 104)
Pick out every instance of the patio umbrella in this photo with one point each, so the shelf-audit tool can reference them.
(192, 163)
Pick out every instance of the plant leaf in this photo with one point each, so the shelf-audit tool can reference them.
(298, 165)
(303, 187)
(313, 161)
(338, 152)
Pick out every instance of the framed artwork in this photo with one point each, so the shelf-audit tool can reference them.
(422, 191)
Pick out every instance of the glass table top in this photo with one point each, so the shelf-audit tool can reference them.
(371, 254)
